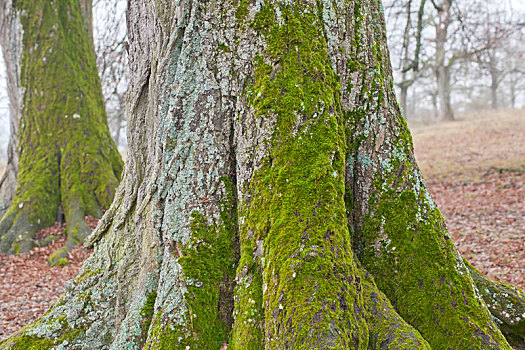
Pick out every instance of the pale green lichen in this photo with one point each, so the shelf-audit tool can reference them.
(399, 234)
(294, 239)
(208, 263)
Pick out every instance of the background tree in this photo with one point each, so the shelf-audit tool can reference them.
(67, 159)
(271, 198)
(499, 29)
(457, 43)
(515, 82)
(408, 46)
(10, 33)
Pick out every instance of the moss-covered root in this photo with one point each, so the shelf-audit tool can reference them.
(76, 228)
(19, 341)
(22, 341)
(399, 234)
(505, 302)
(387, 330)
(207, 264)
(18, 228)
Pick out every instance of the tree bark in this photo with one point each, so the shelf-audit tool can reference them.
(10, 37)
(495, 79)
(441, 69)
(66, 155)
(11, 41)
(403, 97)
(271, 199)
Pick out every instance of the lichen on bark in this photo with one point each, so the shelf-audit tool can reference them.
(268, 133)
(505, 302)
(294, 229)
(399, 234)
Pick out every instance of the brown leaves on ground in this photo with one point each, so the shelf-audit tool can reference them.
(29, 286)
(486, 220)
(475, 169)
(465, 149)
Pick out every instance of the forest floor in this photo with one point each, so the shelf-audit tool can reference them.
(475, 170)
(474, 167)
(29, 286)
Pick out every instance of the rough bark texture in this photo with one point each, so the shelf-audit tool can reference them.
(399, 234)
(271, 199)
(67, 159)
(10, 39)
(11, 43)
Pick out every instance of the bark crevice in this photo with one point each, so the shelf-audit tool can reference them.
(266, 147)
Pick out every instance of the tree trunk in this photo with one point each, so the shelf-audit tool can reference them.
(495, 79)
(441, 69)
(271, 199)
(513, 94)
(10, 36)
(444, 91)
(435, 109)
(67, 156)
(403, 88)
(86, 8)
(11, 42)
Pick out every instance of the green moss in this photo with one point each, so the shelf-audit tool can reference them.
(146, 312)
(242, 10)
(209, 261)
(30, 342)
(505, 302)
(224, 47)
(248, 332)
(294, 238)
(416, 265)
(67, 154)
(59, 258)
(86, 275)
(60, 262)
(399, 234)
(408, 250)
(387, 328)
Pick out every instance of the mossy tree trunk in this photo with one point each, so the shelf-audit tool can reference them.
(271, 198)
(67, 159)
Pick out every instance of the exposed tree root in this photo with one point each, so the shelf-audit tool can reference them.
(20, 225)
(505, 302)
(320, 125)
(387, 330)
(19, 231)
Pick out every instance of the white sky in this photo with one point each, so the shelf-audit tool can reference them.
(518, 4)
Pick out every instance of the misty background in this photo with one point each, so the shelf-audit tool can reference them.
(471, 50)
